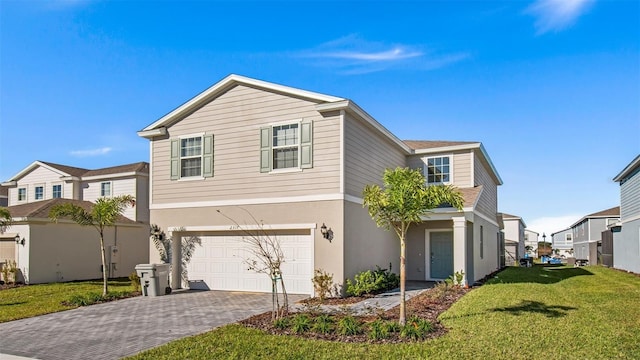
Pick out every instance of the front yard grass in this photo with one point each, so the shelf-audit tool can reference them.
(543, 312)
(33, 300)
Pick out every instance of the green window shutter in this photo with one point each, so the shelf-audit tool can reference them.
(306, 145)
(175, 159)
(207, 156)
(265, 149)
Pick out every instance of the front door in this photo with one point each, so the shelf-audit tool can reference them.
(441, 251)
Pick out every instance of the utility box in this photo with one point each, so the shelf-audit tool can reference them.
(154, 279)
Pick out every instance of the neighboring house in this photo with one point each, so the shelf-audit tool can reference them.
(531, 241)
(65, 251)
(4, 195)
(626, 237)
(295, 162)
(562, 241)
(514, 235)
(587, 233)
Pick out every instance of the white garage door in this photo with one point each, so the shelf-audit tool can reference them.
(221, 264)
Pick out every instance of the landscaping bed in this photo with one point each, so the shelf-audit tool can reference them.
(425, 307)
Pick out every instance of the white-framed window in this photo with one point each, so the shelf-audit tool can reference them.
(105, 188)
(22, 194)
(568, 238)
(286, 146)
(438, 170)
(56, 191)
(192, 157)
(38, 192)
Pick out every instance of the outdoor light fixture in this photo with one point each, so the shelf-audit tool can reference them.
(18, 240)
(327, 233)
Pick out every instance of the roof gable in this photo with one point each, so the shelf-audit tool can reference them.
(220, 87)
(629, 170)
(62, 170)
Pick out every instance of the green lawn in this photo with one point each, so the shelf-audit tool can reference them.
(523, 313)
(27, 301)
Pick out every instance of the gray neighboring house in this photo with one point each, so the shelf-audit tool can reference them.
(562, 241)
(531, 239)
(626, 236)
(514, 238)
(587, 234)
(4, 196)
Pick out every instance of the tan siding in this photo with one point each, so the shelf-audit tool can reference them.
(234, 119)
(39, 176)
(461, 169)
(367, 155)
(126, 186)
(488, 201)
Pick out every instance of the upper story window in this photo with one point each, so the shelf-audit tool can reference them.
(568, 238)
(22, 194)
(39, 192)
(105, 188)
(286, 146)
(56, 191)
(438, 170)
(192, 157)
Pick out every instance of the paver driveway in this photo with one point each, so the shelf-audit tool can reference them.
(126, 327)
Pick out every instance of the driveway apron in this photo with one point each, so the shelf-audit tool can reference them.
(125, 327)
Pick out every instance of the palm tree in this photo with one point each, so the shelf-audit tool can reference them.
(404, 200)
(5, 219)
(102, 214)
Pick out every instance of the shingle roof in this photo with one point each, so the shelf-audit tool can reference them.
(424, 144)
(40, 209)
(470, 195)
(135, 167)
(73, 171)
(509, 216)
(4, 191)
(614, 211)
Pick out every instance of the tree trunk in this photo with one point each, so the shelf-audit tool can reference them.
(105, 276)
(403, 253)
(285, 305)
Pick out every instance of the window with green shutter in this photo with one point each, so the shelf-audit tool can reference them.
(192, 157)
(286, 146)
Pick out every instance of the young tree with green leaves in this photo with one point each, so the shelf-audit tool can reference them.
(102, 214)
(403, 200)
(5, 219)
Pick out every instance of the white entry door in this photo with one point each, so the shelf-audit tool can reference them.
(221, 263)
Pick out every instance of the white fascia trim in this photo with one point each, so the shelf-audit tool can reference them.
(353, 107)
(354, 199)
(109, 176)
(257, 201)
(161, 131)
(205, 228)
(9, 183)
(34, 165)
(472, 146)
(30, 220)
(223, 84)
(70, 178)
(628, 169)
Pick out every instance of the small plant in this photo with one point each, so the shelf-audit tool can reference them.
(349, 325)
(5, 271)
(323, 324)
(459, 277)
(416, 328)
(393, 327)
(378, 330)
(300, 323)
(372, 282)
(135, 281)
(281, 323)
(322, 284)
(441, 290)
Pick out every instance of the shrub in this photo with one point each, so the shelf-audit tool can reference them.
(300, 323)
(281, 323)
(349, 325)
(323, 324)
(373, 282)
(322, 284)
(135, 281)
(378, 330)
(392, 327)
(416, 328)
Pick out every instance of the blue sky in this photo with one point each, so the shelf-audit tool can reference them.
(550, 87)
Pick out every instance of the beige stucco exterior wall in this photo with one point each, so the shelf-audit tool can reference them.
(490, 259)
(327, 255)
(235, 119)
(367, 245)
(65, 251)
(417, 253)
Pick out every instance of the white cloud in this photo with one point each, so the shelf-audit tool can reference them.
(91, 152)
(552, 224)
(353, 55)
(555, 15)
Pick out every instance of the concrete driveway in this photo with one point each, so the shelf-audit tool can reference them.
(126, 327)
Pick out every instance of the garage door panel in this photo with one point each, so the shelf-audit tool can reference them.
(220, 263)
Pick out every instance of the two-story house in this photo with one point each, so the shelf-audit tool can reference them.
(562, 242)
(294, 163)
(587, 233)
(47, 252)
(626, 236)
(514, 228)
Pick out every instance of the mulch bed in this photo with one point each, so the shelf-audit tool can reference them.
(428, 305)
